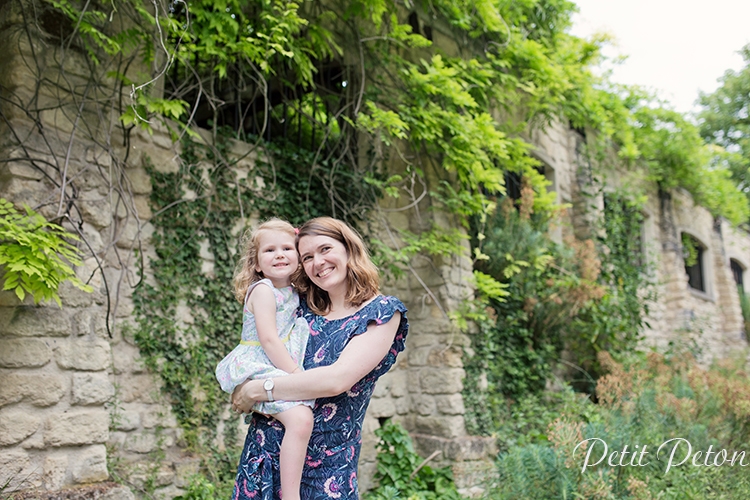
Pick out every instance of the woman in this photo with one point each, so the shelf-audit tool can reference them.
(355, 336)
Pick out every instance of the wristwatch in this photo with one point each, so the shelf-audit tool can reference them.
(268, 386)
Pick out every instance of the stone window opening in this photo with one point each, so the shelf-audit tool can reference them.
(693, 252)
(738, 272)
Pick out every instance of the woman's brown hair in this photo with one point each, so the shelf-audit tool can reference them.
(362, 276)
(246, 275)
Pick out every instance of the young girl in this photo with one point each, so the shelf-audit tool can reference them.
(273, 340)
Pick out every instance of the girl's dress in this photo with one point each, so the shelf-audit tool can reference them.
(333, 451)
(249, 361)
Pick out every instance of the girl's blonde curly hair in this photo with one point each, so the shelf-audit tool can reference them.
(245, 274)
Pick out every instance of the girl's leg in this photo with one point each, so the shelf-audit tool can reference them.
(298, 424)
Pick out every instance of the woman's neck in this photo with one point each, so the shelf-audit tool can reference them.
(340, 308)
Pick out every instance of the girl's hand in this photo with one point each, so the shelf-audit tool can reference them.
(242, 399)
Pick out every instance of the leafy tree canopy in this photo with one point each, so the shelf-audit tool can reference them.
(725, 121)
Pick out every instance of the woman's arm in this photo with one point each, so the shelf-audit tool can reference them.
(263, 306)
(359, 357)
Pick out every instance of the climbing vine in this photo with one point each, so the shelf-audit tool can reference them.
(581, 296)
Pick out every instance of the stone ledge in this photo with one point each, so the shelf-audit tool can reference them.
(102, 491)
(459, 449)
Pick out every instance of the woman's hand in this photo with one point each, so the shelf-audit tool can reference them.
(242, 399)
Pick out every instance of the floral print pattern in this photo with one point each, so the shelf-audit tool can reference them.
(333, 451)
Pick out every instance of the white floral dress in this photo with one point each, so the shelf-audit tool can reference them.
(249, 361)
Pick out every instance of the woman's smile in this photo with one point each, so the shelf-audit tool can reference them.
(325, 262)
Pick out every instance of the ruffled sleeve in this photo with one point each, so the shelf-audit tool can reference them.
(378, 312)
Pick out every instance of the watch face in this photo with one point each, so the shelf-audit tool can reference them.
(268, 384)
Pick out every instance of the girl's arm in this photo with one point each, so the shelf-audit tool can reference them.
(263, 306)
(359, 357)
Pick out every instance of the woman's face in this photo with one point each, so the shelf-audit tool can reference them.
(325, 262)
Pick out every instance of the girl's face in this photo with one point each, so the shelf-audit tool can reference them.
(325, 262)
(277, 257)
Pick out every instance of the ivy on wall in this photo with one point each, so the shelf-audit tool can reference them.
(579, 296)
(188, 317)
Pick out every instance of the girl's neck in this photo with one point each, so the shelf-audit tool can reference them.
(283, 283)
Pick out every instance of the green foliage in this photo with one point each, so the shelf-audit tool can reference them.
(724, 120)
(615, 321)
(553, 296)
(200, 488)
(36, 255)
(401, 473)
(645, 402)
(689, 249)
(745, 305)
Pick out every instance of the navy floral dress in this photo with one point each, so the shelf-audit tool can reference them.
(332, 454)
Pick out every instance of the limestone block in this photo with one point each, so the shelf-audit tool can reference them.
(41, 389)
(16, 425)
(16, 471)
(382, 407)
(90, 321)
(132, 231)
(452, 404)
(10, 389)
(96, 212)
(424, 404)
(116, 440)
(139, 388)
(24, 353)
(141, 442)
(184, 469)
(77, 427)
(34, 442)
(22, 169)
(452, 357)
(402, 405)
(89, 465)
(127, 420)
(442, 426)
(55, 471)
(98, 156)
(44, 389)
(399, 383)
(165, 161)
(158, 417)
(91, 389)
(383, 386)
(142, 207)
(168, 492)
(38, 322)
(127, 360)
(94, 239)
(441, 381)
(84, 354)
(418, 356)
(9, 299)
(143, 473)
(118, 493)
(140, 181)
(73, 297)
